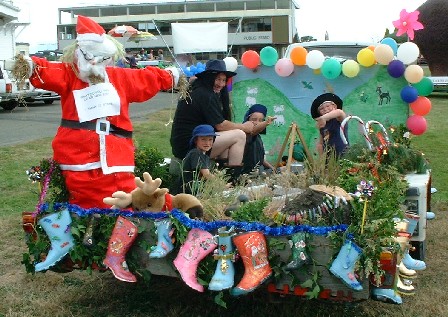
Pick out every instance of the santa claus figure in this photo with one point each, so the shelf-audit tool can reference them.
(93, 145)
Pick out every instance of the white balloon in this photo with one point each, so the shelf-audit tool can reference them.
(231, 63)
(315, 59)
(408, 52)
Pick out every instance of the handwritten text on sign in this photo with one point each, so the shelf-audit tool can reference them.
(97, 101)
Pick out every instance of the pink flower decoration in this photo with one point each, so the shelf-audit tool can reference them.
(407, 23)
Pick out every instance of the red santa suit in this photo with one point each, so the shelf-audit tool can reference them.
(96, 164)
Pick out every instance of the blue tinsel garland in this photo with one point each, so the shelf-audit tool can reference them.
(207, 226)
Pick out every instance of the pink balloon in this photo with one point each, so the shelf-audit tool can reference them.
(284, 67)
(416, 124)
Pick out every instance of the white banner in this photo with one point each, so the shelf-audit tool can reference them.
(199, 37)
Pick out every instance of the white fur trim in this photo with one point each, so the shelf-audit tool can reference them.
(105, 48)
(80, 167)
(93, 166)
(175, 73)
(91, 37)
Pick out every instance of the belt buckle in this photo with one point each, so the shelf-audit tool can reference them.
(102, 126)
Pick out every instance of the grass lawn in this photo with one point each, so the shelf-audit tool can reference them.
(100, 294)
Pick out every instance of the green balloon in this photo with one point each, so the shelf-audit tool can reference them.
(268, 56)
(331, 68)
(424, 87)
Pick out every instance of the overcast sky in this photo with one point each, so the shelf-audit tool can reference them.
(345, 20)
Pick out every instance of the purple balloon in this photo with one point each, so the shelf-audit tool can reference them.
(409, 94)
(396, 68)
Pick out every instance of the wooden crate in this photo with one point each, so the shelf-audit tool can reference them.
(163, 266)
(322, 254)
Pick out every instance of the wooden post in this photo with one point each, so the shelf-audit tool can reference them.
(282, 149)
(292, 130)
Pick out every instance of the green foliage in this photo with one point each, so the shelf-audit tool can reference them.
(82, 257)
(151, 160)
(252, 211)
(57, 191)
(313, 285)
(381, 207)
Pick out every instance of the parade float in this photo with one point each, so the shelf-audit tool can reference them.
(339, 230)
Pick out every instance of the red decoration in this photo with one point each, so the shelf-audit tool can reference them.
(416, 124)
(421, 106)
(250, 59)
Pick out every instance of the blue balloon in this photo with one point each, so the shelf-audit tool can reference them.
(396, 68)
(391, 42)
(409, 94)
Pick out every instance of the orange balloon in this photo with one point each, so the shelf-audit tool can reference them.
(421, 106)
(298, 56)
(250, 59)
(371, 47)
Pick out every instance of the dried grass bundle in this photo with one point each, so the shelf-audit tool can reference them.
(183, 87)
(21, 71)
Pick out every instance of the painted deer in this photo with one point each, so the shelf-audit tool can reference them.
(382, 95)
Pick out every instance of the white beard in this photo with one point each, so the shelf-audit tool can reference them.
(87, 69)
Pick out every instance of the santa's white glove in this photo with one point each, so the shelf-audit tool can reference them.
(9, 64)
(175, 73)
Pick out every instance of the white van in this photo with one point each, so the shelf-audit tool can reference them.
(10, 94)
(339, 50)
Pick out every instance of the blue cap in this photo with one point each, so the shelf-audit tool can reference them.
(202, 130)
(255, 108)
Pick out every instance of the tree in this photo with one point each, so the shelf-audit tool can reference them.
(433, 39)
(307, 38)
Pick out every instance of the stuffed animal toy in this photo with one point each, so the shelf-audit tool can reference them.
(150, 197)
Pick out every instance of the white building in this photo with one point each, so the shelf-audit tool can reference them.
(8, 16)
(252, 24)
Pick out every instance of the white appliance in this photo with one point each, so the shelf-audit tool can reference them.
(418, 201)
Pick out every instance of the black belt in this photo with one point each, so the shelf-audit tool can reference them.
(91, 125)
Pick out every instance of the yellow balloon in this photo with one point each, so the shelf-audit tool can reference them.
(350, 68)
(384, 54)
(413, 74)
(366, 57)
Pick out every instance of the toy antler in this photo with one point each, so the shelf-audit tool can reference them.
(149, 186)
(119, 200)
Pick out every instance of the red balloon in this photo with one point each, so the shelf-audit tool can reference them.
(250, 59)
(416, 124)
(421, 106)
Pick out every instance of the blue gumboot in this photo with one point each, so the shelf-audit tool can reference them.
(386, 295)
(164, 244)
(57, 227)
(344, 264)
(225, 271)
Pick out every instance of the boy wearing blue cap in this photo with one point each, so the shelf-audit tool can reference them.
(254, 153)
(196, 165)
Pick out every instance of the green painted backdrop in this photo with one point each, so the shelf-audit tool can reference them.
(289, 98)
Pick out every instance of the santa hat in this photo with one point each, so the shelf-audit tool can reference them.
(92, 37)
(89, 30)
